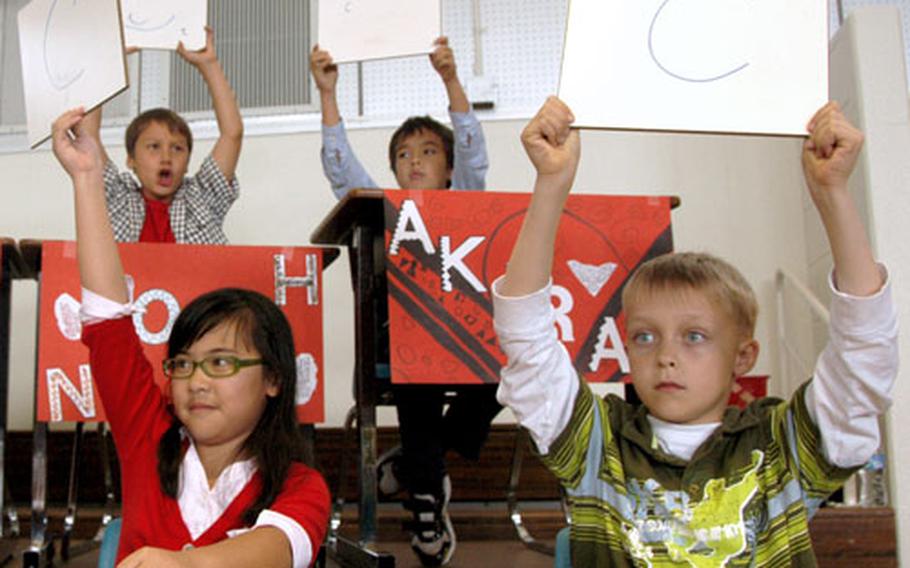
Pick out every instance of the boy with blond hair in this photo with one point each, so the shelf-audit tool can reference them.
(682, 478)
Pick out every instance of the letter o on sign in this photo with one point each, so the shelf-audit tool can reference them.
(146, 299)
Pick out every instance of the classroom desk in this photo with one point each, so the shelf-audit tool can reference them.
(11, 267)
(357, 223)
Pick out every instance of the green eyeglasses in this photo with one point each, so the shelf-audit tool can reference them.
(215, 366)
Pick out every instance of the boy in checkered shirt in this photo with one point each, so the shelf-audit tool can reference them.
(165, 205)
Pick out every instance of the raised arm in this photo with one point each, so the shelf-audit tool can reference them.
(855, 372)
(554, 149)
(829, 155)
(91, 124)
(227, 113)
(538, 383)
(81, 157)
(443, 60)
(325, 75)
(341, 167)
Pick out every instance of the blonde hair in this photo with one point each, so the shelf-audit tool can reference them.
(701, 272)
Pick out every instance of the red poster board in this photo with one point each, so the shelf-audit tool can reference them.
(444, 250)
(167, 277)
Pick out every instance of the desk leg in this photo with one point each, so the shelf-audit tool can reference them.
(368, 493)
(39, 549)
(110, 502)
(69, 521)
(5, 311)
(364, 377)
(521, 440)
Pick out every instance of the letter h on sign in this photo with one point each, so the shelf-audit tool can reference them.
(283, 281)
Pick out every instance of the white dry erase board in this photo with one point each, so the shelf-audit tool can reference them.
(161, 24)
(72, 55)
(743, 66)
(358, 30)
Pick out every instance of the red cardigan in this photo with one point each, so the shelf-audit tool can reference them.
(138, 415)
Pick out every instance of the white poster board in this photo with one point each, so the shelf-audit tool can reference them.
(358, 30)
(696, 65)
(72, 55)
(161, 24)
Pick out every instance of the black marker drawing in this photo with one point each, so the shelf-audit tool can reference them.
(678, 75)
(61, 78)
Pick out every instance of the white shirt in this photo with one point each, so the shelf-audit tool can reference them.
(200, 506)
(850, 388)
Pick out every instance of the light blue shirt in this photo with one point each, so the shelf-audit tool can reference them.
(345, 172)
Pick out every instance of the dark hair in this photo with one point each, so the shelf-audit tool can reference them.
(275, 442)
(416, 124)
(165, 116)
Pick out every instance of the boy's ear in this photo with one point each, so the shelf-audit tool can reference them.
(130, 162)
(746, 356)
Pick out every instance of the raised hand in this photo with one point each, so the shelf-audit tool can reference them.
(75, 148)
(443, 60)
(204, 56)
(553, 147)
(830, 153)
(324, 70)
(829, 156)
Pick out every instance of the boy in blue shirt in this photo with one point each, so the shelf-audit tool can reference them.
(423, 154)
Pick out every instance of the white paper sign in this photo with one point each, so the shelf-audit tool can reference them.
(161, 24)
(358, 30)
(696, 65)
(72, 55)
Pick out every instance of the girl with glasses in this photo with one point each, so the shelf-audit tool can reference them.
(211, 476)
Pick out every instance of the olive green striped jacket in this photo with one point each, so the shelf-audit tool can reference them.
(744, 499)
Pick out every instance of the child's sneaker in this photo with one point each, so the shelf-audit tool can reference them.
(389, 483)
(434, 536)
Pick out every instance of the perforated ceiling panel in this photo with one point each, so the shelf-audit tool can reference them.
(521, 46)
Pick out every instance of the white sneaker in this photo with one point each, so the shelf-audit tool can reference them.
(433, 537)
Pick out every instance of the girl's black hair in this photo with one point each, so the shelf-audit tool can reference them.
(275, 442)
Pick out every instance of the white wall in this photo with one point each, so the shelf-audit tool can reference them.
(871, 78)
(740, 199)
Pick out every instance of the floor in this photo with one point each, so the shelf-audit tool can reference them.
(469, 554)
(474, 554)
